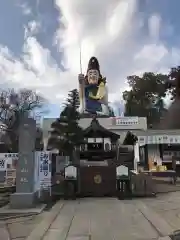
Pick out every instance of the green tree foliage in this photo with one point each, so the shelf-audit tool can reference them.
(66, 132)
(173, 84)
(171, 119)
(145, 98)
(14, 105)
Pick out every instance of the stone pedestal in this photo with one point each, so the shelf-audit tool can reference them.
(23, 200)
(25, 196)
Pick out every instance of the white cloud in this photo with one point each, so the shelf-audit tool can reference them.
(154, 24)
(35, 70)
(25, 8)
(97, 25)
(106, 29)
(150, 58)
(31, 29)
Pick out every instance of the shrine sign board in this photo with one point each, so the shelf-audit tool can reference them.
(159, 139)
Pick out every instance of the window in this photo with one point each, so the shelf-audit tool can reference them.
(95, 146)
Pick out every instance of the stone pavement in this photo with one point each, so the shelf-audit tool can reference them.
(19, 228)
(100, 219)
(168, 207)
(104, 219)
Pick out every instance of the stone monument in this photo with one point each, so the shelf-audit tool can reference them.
(25, 194)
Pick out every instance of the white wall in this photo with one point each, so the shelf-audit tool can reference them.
(108, 123)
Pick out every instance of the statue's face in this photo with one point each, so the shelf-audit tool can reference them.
(93, 76)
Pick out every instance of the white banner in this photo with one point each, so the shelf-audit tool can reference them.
(8, 160)
(44, 159)
(159, 139)
(42, 167)
(136, 156)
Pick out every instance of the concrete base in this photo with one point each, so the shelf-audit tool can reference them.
(8, 211)
(23, 200)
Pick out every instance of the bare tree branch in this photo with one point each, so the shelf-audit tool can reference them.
(14, 105)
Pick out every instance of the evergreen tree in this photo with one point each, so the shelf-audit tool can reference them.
(58, 138)
(67, 133)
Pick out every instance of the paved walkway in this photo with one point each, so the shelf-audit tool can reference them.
(168, 207)
(106, 219)
(100, 219)
(18, 228)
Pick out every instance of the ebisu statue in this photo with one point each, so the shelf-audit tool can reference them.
(93, 91)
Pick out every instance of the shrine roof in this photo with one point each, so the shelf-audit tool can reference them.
(130, 139)
(97, 130)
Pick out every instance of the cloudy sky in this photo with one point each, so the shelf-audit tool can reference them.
(40, 42)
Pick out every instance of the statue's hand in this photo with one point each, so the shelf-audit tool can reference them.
(81, 78)
(93, 96)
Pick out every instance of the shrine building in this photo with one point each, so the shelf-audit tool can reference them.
(153, 143)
